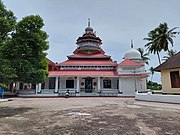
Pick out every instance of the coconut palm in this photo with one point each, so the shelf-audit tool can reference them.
(152, 46)
(144, 56)
(170, 53)
(152, 72)
(159, 39)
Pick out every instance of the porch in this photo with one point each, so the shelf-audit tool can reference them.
(77, 86)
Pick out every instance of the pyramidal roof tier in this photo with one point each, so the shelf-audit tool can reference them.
(89, 46)
(89, 38)
(130, 63)
(88, 54)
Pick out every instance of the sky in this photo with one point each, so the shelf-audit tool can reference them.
(116, 22)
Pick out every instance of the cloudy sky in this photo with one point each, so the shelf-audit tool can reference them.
(116, 22)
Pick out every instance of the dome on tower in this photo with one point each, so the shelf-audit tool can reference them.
(132, 54)
(89, 29)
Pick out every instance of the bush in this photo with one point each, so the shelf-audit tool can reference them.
(153, 86)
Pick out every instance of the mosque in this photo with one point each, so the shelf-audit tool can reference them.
(90, 72)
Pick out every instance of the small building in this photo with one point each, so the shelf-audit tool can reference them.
(90, 72)
(170, 75)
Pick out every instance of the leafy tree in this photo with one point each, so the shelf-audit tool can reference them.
(22, 48)
(153, 86)
(28, 50)
(144, 56)
(170, 53)
(159, 39)
(7, 25)
(7, 22)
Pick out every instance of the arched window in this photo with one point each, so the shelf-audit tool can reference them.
(70, 82)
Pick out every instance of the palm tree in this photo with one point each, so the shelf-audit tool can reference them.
(152, 46)
(159, 39)
(169, 54)
(144, 56)
(152, 72)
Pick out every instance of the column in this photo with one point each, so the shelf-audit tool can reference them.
(13, 87)
(60, 83)
(99, 83)
(56, 85)
(120, 89)
(39, 88)
(17, 86)
(78, 88)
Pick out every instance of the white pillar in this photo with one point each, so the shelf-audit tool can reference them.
(78, 88)
(17, 86)
(120, 84)
(56, 85)
(13, 87)
(59, 83)
(99, 83)
(37, 87)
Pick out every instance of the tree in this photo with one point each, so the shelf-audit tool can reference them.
(22, 48)
(144, 56)
(7, 25)
(7, 22)
(28, 47)
(170, 53)
(159, 39)
(152, 72)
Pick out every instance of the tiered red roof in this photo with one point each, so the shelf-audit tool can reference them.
(90, 36)
(83, 55)
(130, 63)
(82, 62)
(83, 73)
(89, 53)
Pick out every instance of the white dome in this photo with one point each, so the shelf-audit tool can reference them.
(132, 54)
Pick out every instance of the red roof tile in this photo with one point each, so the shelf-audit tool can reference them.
(131, 63)
(83, 73)
(87, 62)
(103, 73)
(98, 55)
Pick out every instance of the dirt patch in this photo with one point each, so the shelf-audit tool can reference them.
(9, 111)
(87, 116)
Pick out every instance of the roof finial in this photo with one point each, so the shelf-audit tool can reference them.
(89, 22)
(131, 43)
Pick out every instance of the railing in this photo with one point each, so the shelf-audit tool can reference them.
(26, 91)
(63, 92)
(132, 71)
(47, 91)
(109, 92)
